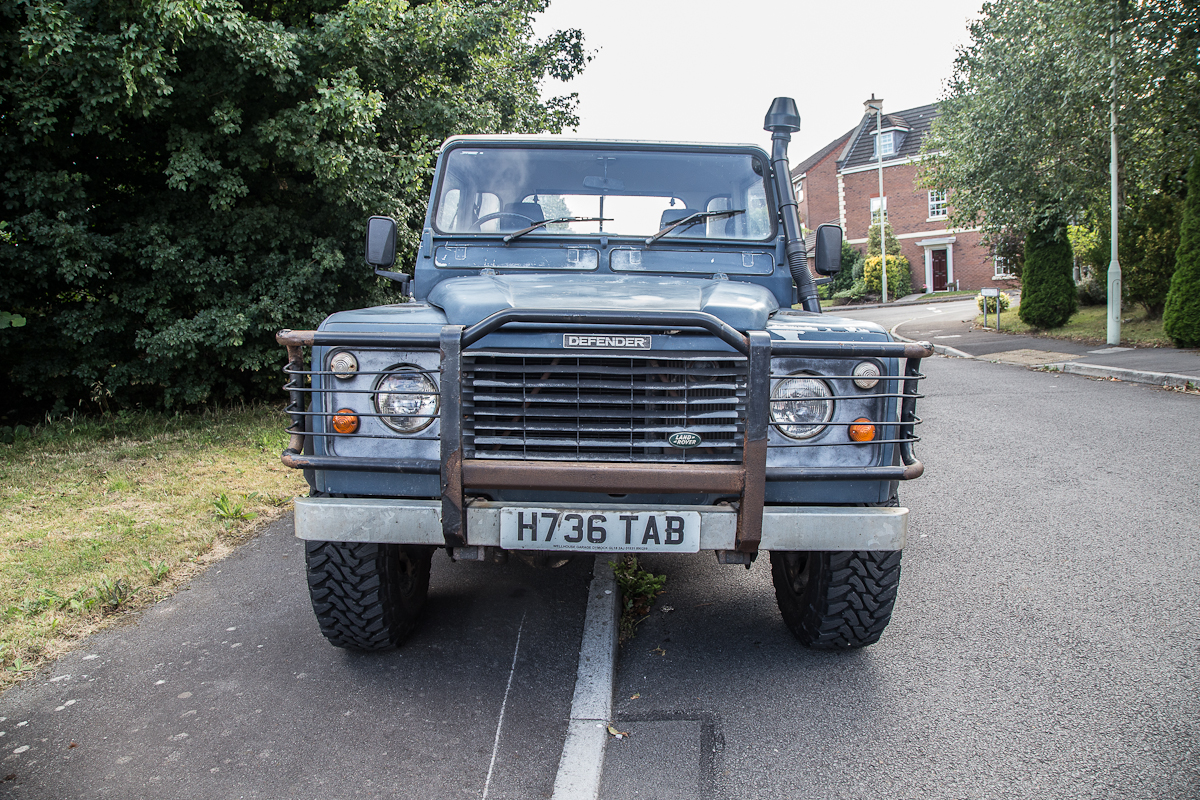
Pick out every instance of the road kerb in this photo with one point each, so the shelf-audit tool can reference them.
(1168, 379)
(582, 761)
(1129, 375)
(937, 348)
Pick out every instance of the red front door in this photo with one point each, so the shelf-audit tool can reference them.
(939, 270)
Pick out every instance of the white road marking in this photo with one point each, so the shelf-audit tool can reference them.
(582, 761)
(503, 703)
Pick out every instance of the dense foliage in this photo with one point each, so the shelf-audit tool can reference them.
(1181, 319)
(1048, 297)
(182, 179)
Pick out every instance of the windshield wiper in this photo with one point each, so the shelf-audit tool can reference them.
(694, 219)
(536, 225)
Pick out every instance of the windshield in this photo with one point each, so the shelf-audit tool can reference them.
(491, 189)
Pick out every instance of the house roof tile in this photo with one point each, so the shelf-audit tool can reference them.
(810, 162)
(914, 121)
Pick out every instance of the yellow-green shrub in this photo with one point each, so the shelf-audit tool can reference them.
(898, 274)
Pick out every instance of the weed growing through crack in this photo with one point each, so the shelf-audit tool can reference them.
(638, 587)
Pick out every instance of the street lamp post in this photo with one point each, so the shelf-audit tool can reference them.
(876, 105)
(1114, 266)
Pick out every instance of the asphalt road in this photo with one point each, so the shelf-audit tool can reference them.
(1044, 646)
(890, 316)
(1044, 643)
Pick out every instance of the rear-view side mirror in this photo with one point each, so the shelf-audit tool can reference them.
(381, 241)
(828, 258)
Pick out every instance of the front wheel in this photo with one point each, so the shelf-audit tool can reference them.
(367, 596)
(836, 600)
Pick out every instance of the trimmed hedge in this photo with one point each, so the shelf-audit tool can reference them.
(1181, 318)
(1048, 294)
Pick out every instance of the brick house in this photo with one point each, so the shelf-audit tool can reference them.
(840, 184)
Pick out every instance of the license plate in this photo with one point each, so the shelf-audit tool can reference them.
(600, 531)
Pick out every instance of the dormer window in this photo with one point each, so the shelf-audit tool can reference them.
(888, 140)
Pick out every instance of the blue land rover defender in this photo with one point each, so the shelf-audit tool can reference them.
(603, 352)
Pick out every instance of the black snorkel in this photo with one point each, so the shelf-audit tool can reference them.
(783, 119)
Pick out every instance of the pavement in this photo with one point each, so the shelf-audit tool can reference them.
(958, 336)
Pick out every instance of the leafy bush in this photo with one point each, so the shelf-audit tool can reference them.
(1181, 317)
(1048, 297)
(181, 180)
(1148, 246)
(1005, 302)
(1092, 292)
(899, 275)
(851, 264)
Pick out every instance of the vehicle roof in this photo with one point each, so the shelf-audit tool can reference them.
(541, 138)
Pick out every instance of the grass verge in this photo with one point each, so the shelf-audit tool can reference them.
(1090, 324)
(104, 516)
(639, 588)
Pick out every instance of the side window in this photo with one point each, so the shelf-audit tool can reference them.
(488, 204)
(723, 226)
(448, 210)
(757, 218)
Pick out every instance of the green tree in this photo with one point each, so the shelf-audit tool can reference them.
(1023, 133)
(1181, 318)
(1048, 297)
(183, 179)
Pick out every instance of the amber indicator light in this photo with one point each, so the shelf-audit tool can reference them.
(862, 430)
(345, 421)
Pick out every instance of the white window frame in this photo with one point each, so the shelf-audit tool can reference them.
(1001, 267)
(939, 204)
(875, 204)
(799, 187)
(889, 144)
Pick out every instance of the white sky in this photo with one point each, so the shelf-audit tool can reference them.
(707, 71)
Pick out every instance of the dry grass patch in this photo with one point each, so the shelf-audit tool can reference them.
(104, 516)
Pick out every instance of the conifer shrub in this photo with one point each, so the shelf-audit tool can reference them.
(1181, 317)
(1048, 294)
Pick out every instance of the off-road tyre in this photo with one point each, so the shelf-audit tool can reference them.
(836, 600)
(367, 596)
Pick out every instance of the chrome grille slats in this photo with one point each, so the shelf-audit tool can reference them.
(554, 406)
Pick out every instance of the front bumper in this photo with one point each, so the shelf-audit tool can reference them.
(348, 519)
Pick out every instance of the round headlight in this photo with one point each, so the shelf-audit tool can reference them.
(866, 375)
(801, 406)
(407, 399)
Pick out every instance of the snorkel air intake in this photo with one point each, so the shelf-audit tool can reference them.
(783, 119)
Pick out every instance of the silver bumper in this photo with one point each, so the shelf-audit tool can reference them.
(347, 519)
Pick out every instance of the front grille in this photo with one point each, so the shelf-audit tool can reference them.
(547, 407)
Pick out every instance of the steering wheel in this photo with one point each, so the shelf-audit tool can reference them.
(498, 214)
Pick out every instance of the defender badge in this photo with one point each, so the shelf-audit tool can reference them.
(596, 341)
(684, 439)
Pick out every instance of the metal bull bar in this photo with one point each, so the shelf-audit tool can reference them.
(747, 480)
